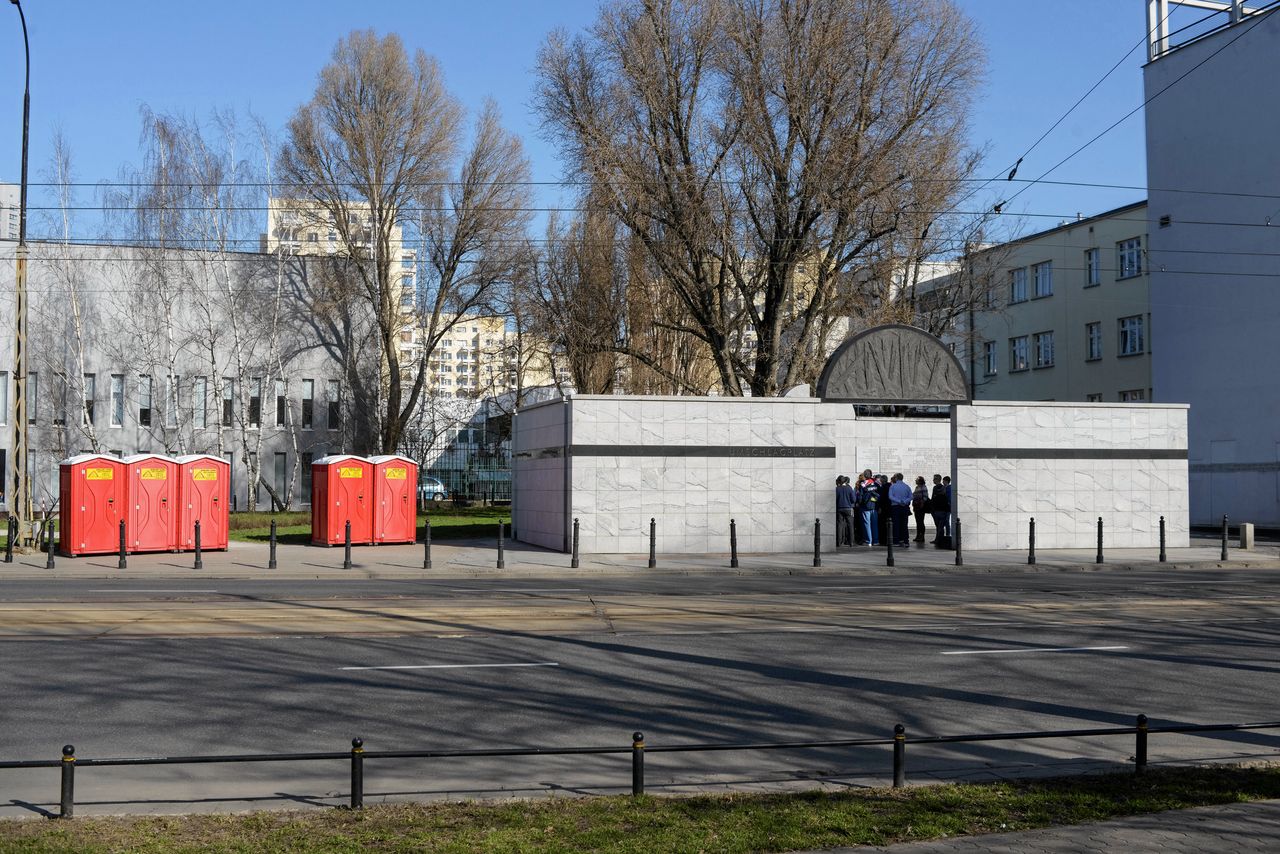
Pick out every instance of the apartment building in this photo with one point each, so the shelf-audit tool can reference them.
(10, 210)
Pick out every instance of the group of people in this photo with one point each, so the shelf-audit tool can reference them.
(865, 509)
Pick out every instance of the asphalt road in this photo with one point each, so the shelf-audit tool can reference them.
(238, 666)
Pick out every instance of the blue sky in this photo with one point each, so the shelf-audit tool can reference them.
(95, 63)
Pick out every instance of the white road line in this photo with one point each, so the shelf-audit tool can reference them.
(452, 666)
(514, 589)
(1036, 649)
(882, 587)
(138, 590)
(1209, 582)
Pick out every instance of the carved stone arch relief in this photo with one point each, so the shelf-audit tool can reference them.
(893, 363)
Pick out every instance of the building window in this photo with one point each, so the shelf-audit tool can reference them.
(144, 401)
(1092, 268)
(281, 480)
(308, 403)
(333, 236)
(172, 397)
(1129, 258)
(282, 403)
(255, 401)
(199, 406)
(1018, 353)
(1093, 340)
(1044, 349)
(1131, 343)
(1096, 397)
(90, 392)
(60, 400)
(4, 403)
(406, 262)
(312, 237)
(1018, 285)
(307, 459)
(1133, 395)
(228, 400)
(1044, 279)
(335, 406)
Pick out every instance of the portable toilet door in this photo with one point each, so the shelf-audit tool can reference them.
(395, 509)
(93, 494)
(342, 489)
(152, 518)
(204, 494)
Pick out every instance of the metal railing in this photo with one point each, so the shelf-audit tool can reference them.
(357, 756)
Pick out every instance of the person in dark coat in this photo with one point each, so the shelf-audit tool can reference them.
(845, 499)
(940, 510)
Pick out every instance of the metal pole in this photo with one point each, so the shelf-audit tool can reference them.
(959, 554)
(426, 544)
(574, 562)
(12, 530)
(67, 806)
(199, 558)
(346, 544)
(124, 561)
(637, 764)
(1162, 554)
(271, 557)
(20, 495)
(1099, 558)
(502, 564)
(1031, 542)
(1140, 748)
(888, 552)
(733, 544)
(357, 774)
(1224, 536)
(653, 542)
(899, 756)
(48, 561)
(817, 542)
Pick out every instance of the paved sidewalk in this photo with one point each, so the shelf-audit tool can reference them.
(1230, 828)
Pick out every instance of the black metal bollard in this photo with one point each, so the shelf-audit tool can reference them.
(1031, 542)
(653, 542)
(124, 561)
(346, 545)
(574, 562)
(733, 544)
(888, 552)
(637, 764)
(271, 555)
(1162, 554)
(959, 554)
(1140, 747)
(899, 756)
(1098, 559)
(1224, 536)
(48, 561)
(357, 773)
(817, 542)
(199, 564)
(426, 544)
(67, 807)
(502, 564)
(12, 530)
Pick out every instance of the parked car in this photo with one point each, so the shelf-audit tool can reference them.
(431, 489)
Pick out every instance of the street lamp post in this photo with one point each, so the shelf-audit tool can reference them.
(20, 495)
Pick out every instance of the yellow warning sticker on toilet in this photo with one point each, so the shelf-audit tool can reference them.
(99, 474)
(204, 474)
(353, 472)
(153, 474)
(397, 473)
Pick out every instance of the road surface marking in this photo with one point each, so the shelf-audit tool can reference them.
(452, 666)
(1035, 649)
(144, 590)
(882, 587)
(1209, 581)
(514, 589)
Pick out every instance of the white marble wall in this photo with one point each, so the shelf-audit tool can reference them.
(538, 510)
(996, 497)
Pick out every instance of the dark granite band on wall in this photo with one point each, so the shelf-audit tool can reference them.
(1072, 453)
(1227, 468)
(744, 451)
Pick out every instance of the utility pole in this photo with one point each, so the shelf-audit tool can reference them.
(20, 495)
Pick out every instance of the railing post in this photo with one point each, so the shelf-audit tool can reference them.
(12, 529)
(1031, 542)
(48, 561)
(959, 554)
(1098, 559)
(899, 756)
(502, 563)
(817, 542)
(199, 564)
(123, 563)
(653, 542)
(574, 561)
(67, 806)
(637, 764)
(1224, 536)
(357, 773)
(271, 556)
(733, 544)
(888, 551)
(1140, 748)
(1162, 554)
(426, 543)
(346, 547)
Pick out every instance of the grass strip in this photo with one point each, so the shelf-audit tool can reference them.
(623, 825)
(294, 527)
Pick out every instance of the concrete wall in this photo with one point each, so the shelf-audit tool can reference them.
(1066, 465)
(540, 468)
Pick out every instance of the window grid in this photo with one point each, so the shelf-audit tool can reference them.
(1131, 337)
(1018, 353)
(1044, 349)
(1129, 258)
(1043, 279)
(1093, 338)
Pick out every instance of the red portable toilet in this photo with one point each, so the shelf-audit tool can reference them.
(341, 491)
(395, 507)
(152, 517)
(92, 497)
(204, 493)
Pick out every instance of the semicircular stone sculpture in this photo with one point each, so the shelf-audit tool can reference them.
(893, 363)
